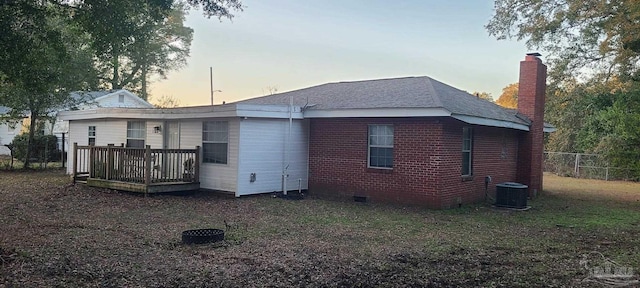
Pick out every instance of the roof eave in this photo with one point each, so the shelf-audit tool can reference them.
(217, 111)
(491, 122)
(376, 112)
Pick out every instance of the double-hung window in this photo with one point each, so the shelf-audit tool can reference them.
(381, 146)
(92, 135)
(136, 133)
(215, 141)
(467, 149)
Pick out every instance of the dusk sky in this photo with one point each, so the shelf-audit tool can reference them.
(296, 44)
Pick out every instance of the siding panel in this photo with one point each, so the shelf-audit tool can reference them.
(262, 148)
(214, 176)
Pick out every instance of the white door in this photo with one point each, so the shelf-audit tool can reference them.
(172, 135)
(172, 162)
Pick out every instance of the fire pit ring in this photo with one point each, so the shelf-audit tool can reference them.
(201, 236)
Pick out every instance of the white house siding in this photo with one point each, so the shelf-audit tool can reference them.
(113, 100)
(7, 135)
(107, 132)
(213, 176)
(153, 139)
(262, 147)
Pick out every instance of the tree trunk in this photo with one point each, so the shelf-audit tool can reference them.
(32, 129)
(144, 95)
(115, 81)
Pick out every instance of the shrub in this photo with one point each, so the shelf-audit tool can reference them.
(43, 145)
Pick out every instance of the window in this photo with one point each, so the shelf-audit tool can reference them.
(136, 132)
(215, 141)
(121, 98)
(381, 146)
(467, 147)
(92, 135)
(11, 127)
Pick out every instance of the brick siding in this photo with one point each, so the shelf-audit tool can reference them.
(427, 161)
(531, 101)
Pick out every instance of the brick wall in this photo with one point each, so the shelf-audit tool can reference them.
(531, 101)
(427, 161)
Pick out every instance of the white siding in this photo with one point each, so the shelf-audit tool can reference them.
(107, 132)
(154, 139)
(262, 151)
(7, 135)
(213, 176)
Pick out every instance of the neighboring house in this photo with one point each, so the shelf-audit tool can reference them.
(9, 128)
(410, 140)
(91, 100)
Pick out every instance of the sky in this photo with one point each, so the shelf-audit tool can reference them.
(290, 45)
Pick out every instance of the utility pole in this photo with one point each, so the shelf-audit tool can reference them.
(211, 81)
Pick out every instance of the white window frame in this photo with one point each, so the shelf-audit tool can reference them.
(221, 128)
(91, 135)
(467, 136)
(143, 132)
(385, 145)
(120, 98)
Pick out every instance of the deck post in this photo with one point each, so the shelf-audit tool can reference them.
(75, 162)
(92, 151)
(147, 167)
(109, 169)
(196, 165)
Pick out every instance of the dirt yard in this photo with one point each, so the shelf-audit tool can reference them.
(53, 234)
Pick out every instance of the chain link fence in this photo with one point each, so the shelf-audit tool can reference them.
(582, 165)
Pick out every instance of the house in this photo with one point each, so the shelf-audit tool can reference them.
(9, 128)
(243, 145)
(411, 140)
(91, 100)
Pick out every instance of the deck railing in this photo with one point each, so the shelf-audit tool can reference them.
(137, 165)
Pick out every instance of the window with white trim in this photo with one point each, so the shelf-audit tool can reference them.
(215, 141)
(136, 134)
(121, 98)
(381, 146)
(467, 149)
(92, 135)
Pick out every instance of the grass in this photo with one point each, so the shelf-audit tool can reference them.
(5, 164)
(56, 234)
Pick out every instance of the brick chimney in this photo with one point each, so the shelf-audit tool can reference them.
(531, 94)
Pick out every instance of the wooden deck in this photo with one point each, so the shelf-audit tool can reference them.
(143, 170)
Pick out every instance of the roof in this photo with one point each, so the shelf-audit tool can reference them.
(4, 110)
(406, 93)
(82, 96)
(95, 97)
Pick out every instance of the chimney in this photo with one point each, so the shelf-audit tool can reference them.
(531, 93)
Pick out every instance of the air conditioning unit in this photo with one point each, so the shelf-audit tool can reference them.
(512, 195)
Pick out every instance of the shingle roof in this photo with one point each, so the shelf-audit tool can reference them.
(82, 97)
(409, 92)
(4, 110)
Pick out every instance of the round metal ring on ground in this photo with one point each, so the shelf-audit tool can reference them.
(201, 236)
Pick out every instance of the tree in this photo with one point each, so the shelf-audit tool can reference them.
(594, 34)
(166, 102)
(163, 46)
(134, 40)
(509, 96)
(270, 90)
(44, 54)
(483, 95)
(42, 61)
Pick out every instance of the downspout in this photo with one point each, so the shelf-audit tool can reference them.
(285, 172)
